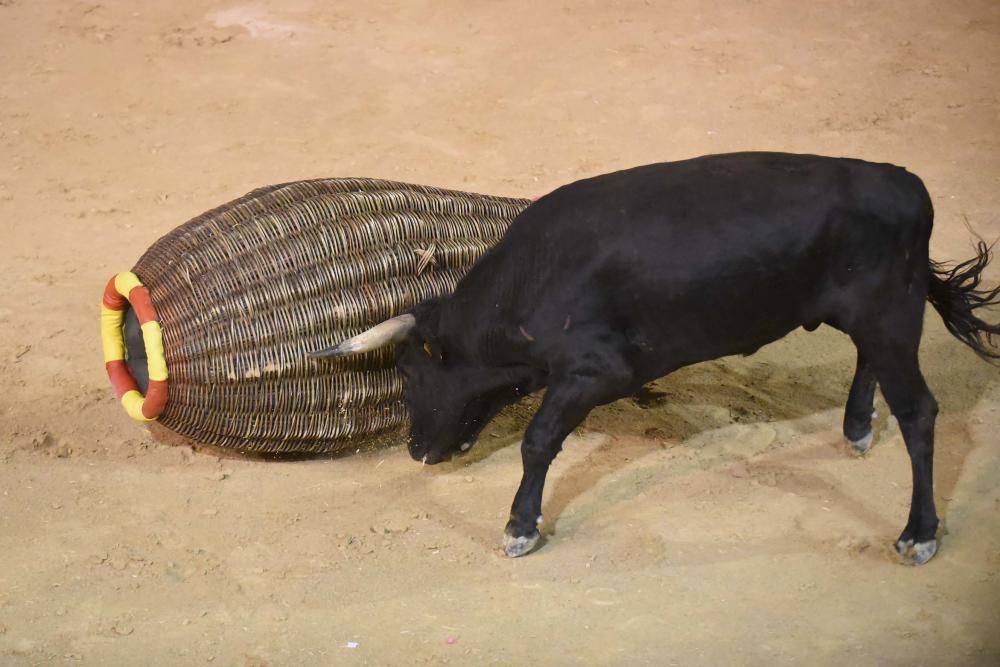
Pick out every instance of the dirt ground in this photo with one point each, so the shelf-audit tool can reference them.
(718, 522)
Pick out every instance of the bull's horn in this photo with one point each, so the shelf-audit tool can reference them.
(380, 335)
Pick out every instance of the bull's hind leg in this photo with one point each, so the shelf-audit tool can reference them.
(893, 357)
(860, 408)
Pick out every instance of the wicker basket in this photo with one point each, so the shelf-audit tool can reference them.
(244, 291)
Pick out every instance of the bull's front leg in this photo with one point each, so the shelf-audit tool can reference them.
(565, 405)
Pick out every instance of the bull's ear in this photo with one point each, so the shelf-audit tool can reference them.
(428, 316)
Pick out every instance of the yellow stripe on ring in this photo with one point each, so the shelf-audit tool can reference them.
(112, 340)
(156, 361)
(132, 402)
(125, 281)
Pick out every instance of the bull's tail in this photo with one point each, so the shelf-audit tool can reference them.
(955, 293)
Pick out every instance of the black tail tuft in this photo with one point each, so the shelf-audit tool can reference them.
(954, 292)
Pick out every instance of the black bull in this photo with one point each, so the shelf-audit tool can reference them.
(611, 282)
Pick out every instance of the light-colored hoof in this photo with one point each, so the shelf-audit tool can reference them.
(916, 553)
(863, 445)
(514, 547)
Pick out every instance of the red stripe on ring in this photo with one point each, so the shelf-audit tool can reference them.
(142, 304)
(121, 380)
(112, 299)
(156, 399)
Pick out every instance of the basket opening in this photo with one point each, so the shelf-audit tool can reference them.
(135, 350)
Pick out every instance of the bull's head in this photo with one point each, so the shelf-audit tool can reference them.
(450, 395)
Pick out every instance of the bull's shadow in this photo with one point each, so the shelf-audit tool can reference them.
(804, 378)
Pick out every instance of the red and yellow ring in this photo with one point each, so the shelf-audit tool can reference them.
(126, 288)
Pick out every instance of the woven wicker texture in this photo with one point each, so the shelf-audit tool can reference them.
(245, 290)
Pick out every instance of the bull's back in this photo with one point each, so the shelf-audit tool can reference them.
(715, 255)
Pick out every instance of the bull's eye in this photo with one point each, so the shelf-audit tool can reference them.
(427, 349)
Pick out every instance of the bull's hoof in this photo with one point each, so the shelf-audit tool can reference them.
(916, 553)
(862, 445)
(514, 547)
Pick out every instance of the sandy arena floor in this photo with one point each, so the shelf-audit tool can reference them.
(721, 524)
